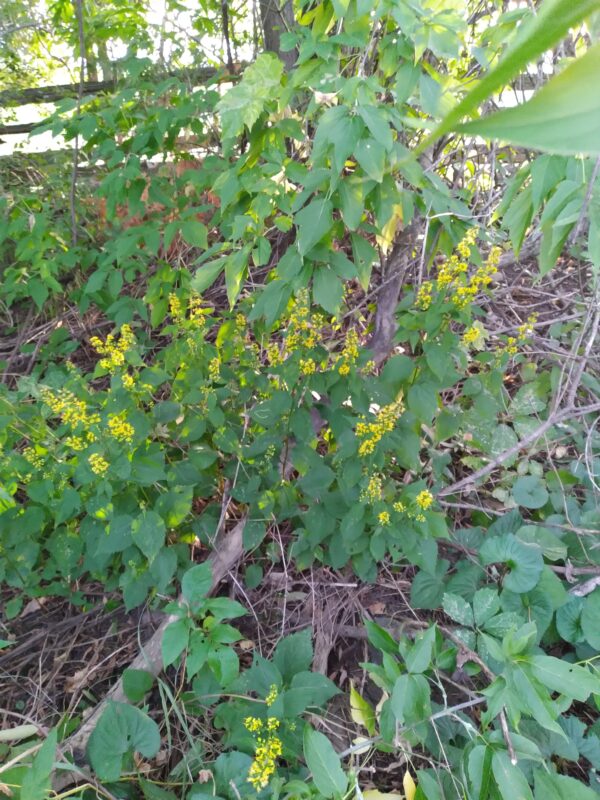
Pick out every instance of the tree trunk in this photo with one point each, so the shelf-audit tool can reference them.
(277, 19)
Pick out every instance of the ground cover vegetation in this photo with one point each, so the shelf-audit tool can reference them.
(300, 458)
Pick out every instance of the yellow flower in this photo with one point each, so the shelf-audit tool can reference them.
(214, 368)
(113, 350)
(75, 443)
(127, 381)
(307, 366)
(373, 492)
(273, 695)
(424, 499)
(384, 518)
(373, 432)
(98, 464)
(31, 455)
(424, 295)
(265, 757)
(399, 507)
(120, 429)
(253, 724)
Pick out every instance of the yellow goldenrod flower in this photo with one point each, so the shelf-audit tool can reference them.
(98, 464)
(120, 429)
(265, 757)
(113, 350)
(424, 295)
(424, 499)
(384, 518)
(307, 366)
(214, 369)
(75, 443)
(372, 432)
(273, 695)
(399, 507)
(253, 724)
(127, 381)
(374, 491)
(34, 458)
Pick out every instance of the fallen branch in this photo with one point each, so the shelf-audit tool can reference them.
(228, 549)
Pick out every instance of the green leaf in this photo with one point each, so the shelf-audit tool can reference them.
(560, 787)
(380, 638)
(419, 656)
(589, 619)
(370, 154)
(540, 33)
(175, 640)
(377, 123)
(362, 712)
(486, 604)
(553, 548)
(568, 621)
(207, 274)
(121, 731)
(511, 782)
(569, 679)
(136, 683)
(458, 609)
(410, 699)
(236, 266)
(294, 654)
(196, 584)
(36, 781)
(328, 289)
(524, 561)
(530, 491)
(324, 763)
(195, 233)
(148, 532)
(563, 117)
(314, 221)
(243, 104)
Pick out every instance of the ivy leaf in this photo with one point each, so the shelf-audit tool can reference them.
(530, 491)
(324, 763)
(121, 731)
(313, 222)
(524, 561)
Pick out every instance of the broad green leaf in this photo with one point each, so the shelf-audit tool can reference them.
(380, 638)
(524, 561)
(541, 32)
(294, 654)
(458, 609)
(195, 233)
(569, 623)
(563, 117)
(314, 221)
(419, 656)
(370, 154)
(121, 731)
(196, 583)
(486, 604)
(175, 640)
(328, 289)
(560, 787)
(242, 105)
(148, 532)
(207, 274)
(530, 491)
(410, 700)
(236, 266)
(589, 619)
(36, 783)
(553, 548)
(136, 682)
(324, 763)
(511, 782)
(569, 679)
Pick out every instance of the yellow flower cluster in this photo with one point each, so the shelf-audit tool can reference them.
(98, 465)
(525, 330)
(120, 429)
(214, 369)
(349, 354)
(384, 518)
(452, 275)
(371, 433)
(307, 366)
(65, 405)
(79, 443)
(471, 335)
(303, 328)
(273, 694)
(33, 457)
(113, 350)
(269, 748)
(273, 353)
(424, 499)
(374, 491)
(399, 507)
